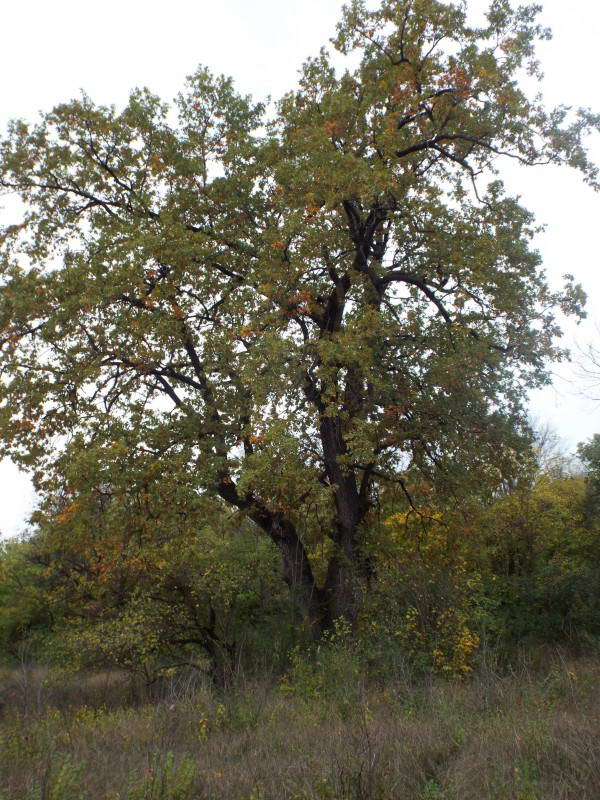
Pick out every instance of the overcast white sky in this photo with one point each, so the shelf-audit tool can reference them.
(51, 50)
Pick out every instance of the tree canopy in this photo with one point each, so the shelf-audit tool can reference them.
(291, 309)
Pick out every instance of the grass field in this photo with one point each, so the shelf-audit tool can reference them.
(532, 733)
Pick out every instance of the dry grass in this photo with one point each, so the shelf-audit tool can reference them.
(528, 736)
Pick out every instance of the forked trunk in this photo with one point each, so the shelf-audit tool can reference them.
(338, 598)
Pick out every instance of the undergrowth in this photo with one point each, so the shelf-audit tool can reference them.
(322, 733)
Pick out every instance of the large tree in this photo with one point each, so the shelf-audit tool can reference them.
(294, 306)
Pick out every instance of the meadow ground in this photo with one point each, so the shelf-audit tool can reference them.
(531, 733)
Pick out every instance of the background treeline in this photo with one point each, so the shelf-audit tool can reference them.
(132, 571)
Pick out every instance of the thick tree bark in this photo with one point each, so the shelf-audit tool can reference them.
(344, 570)
(340, 587)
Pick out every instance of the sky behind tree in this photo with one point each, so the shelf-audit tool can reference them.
(51, 51)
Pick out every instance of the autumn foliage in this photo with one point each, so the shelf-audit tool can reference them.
(268, 365)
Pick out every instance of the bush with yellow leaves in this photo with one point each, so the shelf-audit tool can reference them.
(425, 603)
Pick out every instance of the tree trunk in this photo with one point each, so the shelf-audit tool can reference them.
(344, 571)
(340, 590)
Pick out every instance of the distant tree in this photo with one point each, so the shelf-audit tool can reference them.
(589, 370)
(302, 308)
(589, 453)
(24, 611)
